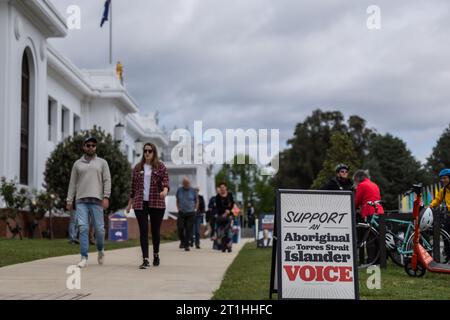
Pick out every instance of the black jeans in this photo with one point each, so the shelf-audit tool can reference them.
(185, 225)
(156, 217)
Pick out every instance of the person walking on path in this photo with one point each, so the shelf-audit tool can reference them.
(149, 189)
(199, 218)
(341, 181)
(187, 205)
(90, 181)
(211, 217)
(224, 205)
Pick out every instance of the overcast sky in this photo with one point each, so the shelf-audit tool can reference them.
(269, 63)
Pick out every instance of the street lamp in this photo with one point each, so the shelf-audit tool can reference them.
(138, 145)
(119, 132)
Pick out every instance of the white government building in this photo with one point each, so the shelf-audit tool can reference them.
(44, 98)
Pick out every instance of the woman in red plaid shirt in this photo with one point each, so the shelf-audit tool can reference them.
(149, 188)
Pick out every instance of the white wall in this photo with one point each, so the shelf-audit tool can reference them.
(100, 111)
(30, 37)
(130, 137)
(65, 96)
(4, 76)
(103, 113)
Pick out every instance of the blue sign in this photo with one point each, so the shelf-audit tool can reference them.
(118, 227)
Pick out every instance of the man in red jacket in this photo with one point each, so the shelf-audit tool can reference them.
(367, 200)
(368, 195)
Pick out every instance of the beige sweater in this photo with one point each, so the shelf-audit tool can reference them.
(89, 179)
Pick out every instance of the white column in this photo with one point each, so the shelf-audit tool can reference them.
(4, 92)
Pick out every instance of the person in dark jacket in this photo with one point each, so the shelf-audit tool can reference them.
(341, 181)
(198, 220)
(224, 205)
(211, 217)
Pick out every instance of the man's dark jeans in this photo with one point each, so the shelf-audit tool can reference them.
(197, 226)
(185, 227)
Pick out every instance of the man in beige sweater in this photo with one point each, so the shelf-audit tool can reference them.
(90, 188)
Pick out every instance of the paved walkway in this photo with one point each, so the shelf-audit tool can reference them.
(193, 275)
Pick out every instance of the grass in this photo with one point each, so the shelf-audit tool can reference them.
(19, 251)
(248, 278)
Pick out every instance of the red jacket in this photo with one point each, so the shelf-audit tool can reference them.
(159, 181)
(365, 192)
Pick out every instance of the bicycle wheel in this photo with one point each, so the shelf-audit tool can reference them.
(397, 258)
(393, 247)
(368, 248)
(426, 240)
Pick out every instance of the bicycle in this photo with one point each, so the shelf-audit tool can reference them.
(368, 241)
(399, 244)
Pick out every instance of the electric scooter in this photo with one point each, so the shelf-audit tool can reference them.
(421, 260)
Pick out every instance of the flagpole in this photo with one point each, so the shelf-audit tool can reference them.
(110, 32)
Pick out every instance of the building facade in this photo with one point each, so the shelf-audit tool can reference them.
(45, 98)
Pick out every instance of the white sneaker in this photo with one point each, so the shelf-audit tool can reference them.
(101, 257)
(83, 263)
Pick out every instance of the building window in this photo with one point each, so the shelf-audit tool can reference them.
(51, 119)
(64, 123)
(76, 124)
(25, 121)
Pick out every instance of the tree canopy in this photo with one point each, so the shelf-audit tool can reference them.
(342, 150)
(59, 166)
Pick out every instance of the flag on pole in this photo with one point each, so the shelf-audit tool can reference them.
(105, 12)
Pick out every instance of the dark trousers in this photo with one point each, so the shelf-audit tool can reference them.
(185, 225)
(197, 227)
(156, 217)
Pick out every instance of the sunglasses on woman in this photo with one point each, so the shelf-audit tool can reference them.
(150, 151)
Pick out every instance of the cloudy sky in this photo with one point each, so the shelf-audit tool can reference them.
(269, 63)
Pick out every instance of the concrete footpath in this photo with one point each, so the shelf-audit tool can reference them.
(192, 275)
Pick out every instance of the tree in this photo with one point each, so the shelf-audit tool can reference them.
(15, 199)
(59, 166)
(304, 159)
(41, 203)
(440, 157)
(342, 150)
(360, 135)
(264, 201)
(393, 168)
(300, 164)
(245, 178)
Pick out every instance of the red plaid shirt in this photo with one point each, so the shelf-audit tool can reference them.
(159, 181)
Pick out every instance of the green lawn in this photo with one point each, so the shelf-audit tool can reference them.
(18, 251)
(248, 278)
